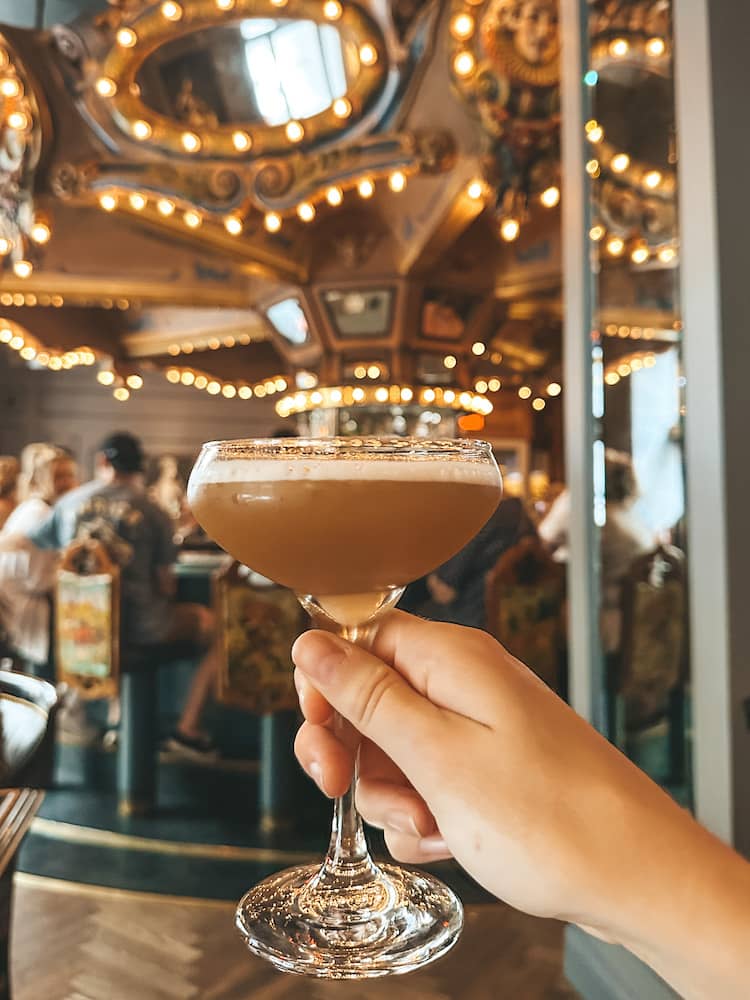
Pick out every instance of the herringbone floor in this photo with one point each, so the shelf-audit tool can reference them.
(72, 942)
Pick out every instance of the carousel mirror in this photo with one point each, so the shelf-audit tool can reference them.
(253, 71)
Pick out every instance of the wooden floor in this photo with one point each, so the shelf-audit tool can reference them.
(73, 942)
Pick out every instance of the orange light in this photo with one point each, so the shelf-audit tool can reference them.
(471, 422)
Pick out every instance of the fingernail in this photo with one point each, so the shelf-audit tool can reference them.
(316, 773)
(401, 822)
(434, 845)
(318, 654)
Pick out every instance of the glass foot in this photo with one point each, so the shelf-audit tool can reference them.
(396, 924)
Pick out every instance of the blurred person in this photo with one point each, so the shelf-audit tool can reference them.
(27, 576)
(8, 485)
(113, 508)
(623, 538)
(456, 591)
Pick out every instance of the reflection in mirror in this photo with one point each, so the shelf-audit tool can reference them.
(258, 70)
(289, 321)
(363, 312)
(639, 499)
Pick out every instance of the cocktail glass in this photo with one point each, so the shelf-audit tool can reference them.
(346, 523)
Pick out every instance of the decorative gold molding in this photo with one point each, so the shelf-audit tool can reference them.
(163, 22)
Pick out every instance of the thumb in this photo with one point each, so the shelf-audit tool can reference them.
(374, 697)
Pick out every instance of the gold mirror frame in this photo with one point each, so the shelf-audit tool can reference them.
(137, 38)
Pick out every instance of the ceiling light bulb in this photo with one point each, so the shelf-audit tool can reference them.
(550, 197)
(334, 196)
(554, 389)
(596, 233)
(341, 107)
(191, 143)
(241, 141)
(538, 404)
(18, 121)
(105, 87)
(192, 219)
(332, 10)
(134, 382)
(656, 47)
(126, 38)
(509, 229)
(475, 190)
(5, 246)
(137, 201)
(615, 246)
(478, 348)
(272, 222)
(640, 255)
(524, 392)
(108, 202)
(225, 4)
(397, 181)
(462, 27)
(172, 11)
(449, 361)
(41, 233)
(165, 207)
(667, 255)
(366, 188)
(294, 131)
(306, 211)
(368, 54)
(121, 394)
(10, 87)
(233, 225)
(142, 130)
(23, 268)
(619, 47)
(464, 63)
(620, 162)
(652, 179)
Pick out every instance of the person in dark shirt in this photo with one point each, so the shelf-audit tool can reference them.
(114, 509)
(456, 589)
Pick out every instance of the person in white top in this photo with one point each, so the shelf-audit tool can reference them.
(27, 576)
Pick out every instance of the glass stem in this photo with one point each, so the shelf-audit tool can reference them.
(347, 850)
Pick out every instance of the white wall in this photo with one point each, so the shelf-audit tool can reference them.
(72, 409)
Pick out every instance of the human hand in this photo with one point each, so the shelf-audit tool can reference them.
(466, 752)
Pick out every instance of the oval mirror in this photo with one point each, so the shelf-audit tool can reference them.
(264, 71)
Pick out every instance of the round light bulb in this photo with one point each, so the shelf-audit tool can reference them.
(10, 87)
(225, 4)
(620, 163)
(524, 392)
(121, 394)
(656, 47)
(667, 255)
(640, 255)
(596, 233)
(192, 219)
(475, 190)
(450, 361)
(137, 201)
(538, 404)
(652, 179)
(397, 181)
(368, 54)
(142, 130)
(126, 38)
(106, 87)
(306, 211)
(294, 131)
(332, 10)
(341, 107)
(108, 202)
(171, 10)
(462, 27)
(229, 391)
(619, 47)
(366, 188)
(165, 207)
(134, 382)
(233, 225)
(464, 63)
(510, 229)
(550, 197)
(18, 121)
(191, 142)
(41, 233)
(241, 141)
(334, 196)
(615, 246)
(272, 222)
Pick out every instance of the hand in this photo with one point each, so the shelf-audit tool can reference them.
(440, 591)
(466, 752)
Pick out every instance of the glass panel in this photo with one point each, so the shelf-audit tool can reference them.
(363, 312)
(255, 70)
(289, 321)
(638, 489)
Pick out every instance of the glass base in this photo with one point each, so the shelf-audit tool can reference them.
(395, 924)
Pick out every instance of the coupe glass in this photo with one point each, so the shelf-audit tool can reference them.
(346, 523)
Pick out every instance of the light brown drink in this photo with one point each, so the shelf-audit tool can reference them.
(309, 527)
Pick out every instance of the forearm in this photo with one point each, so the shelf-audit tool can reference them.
(684, 904)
